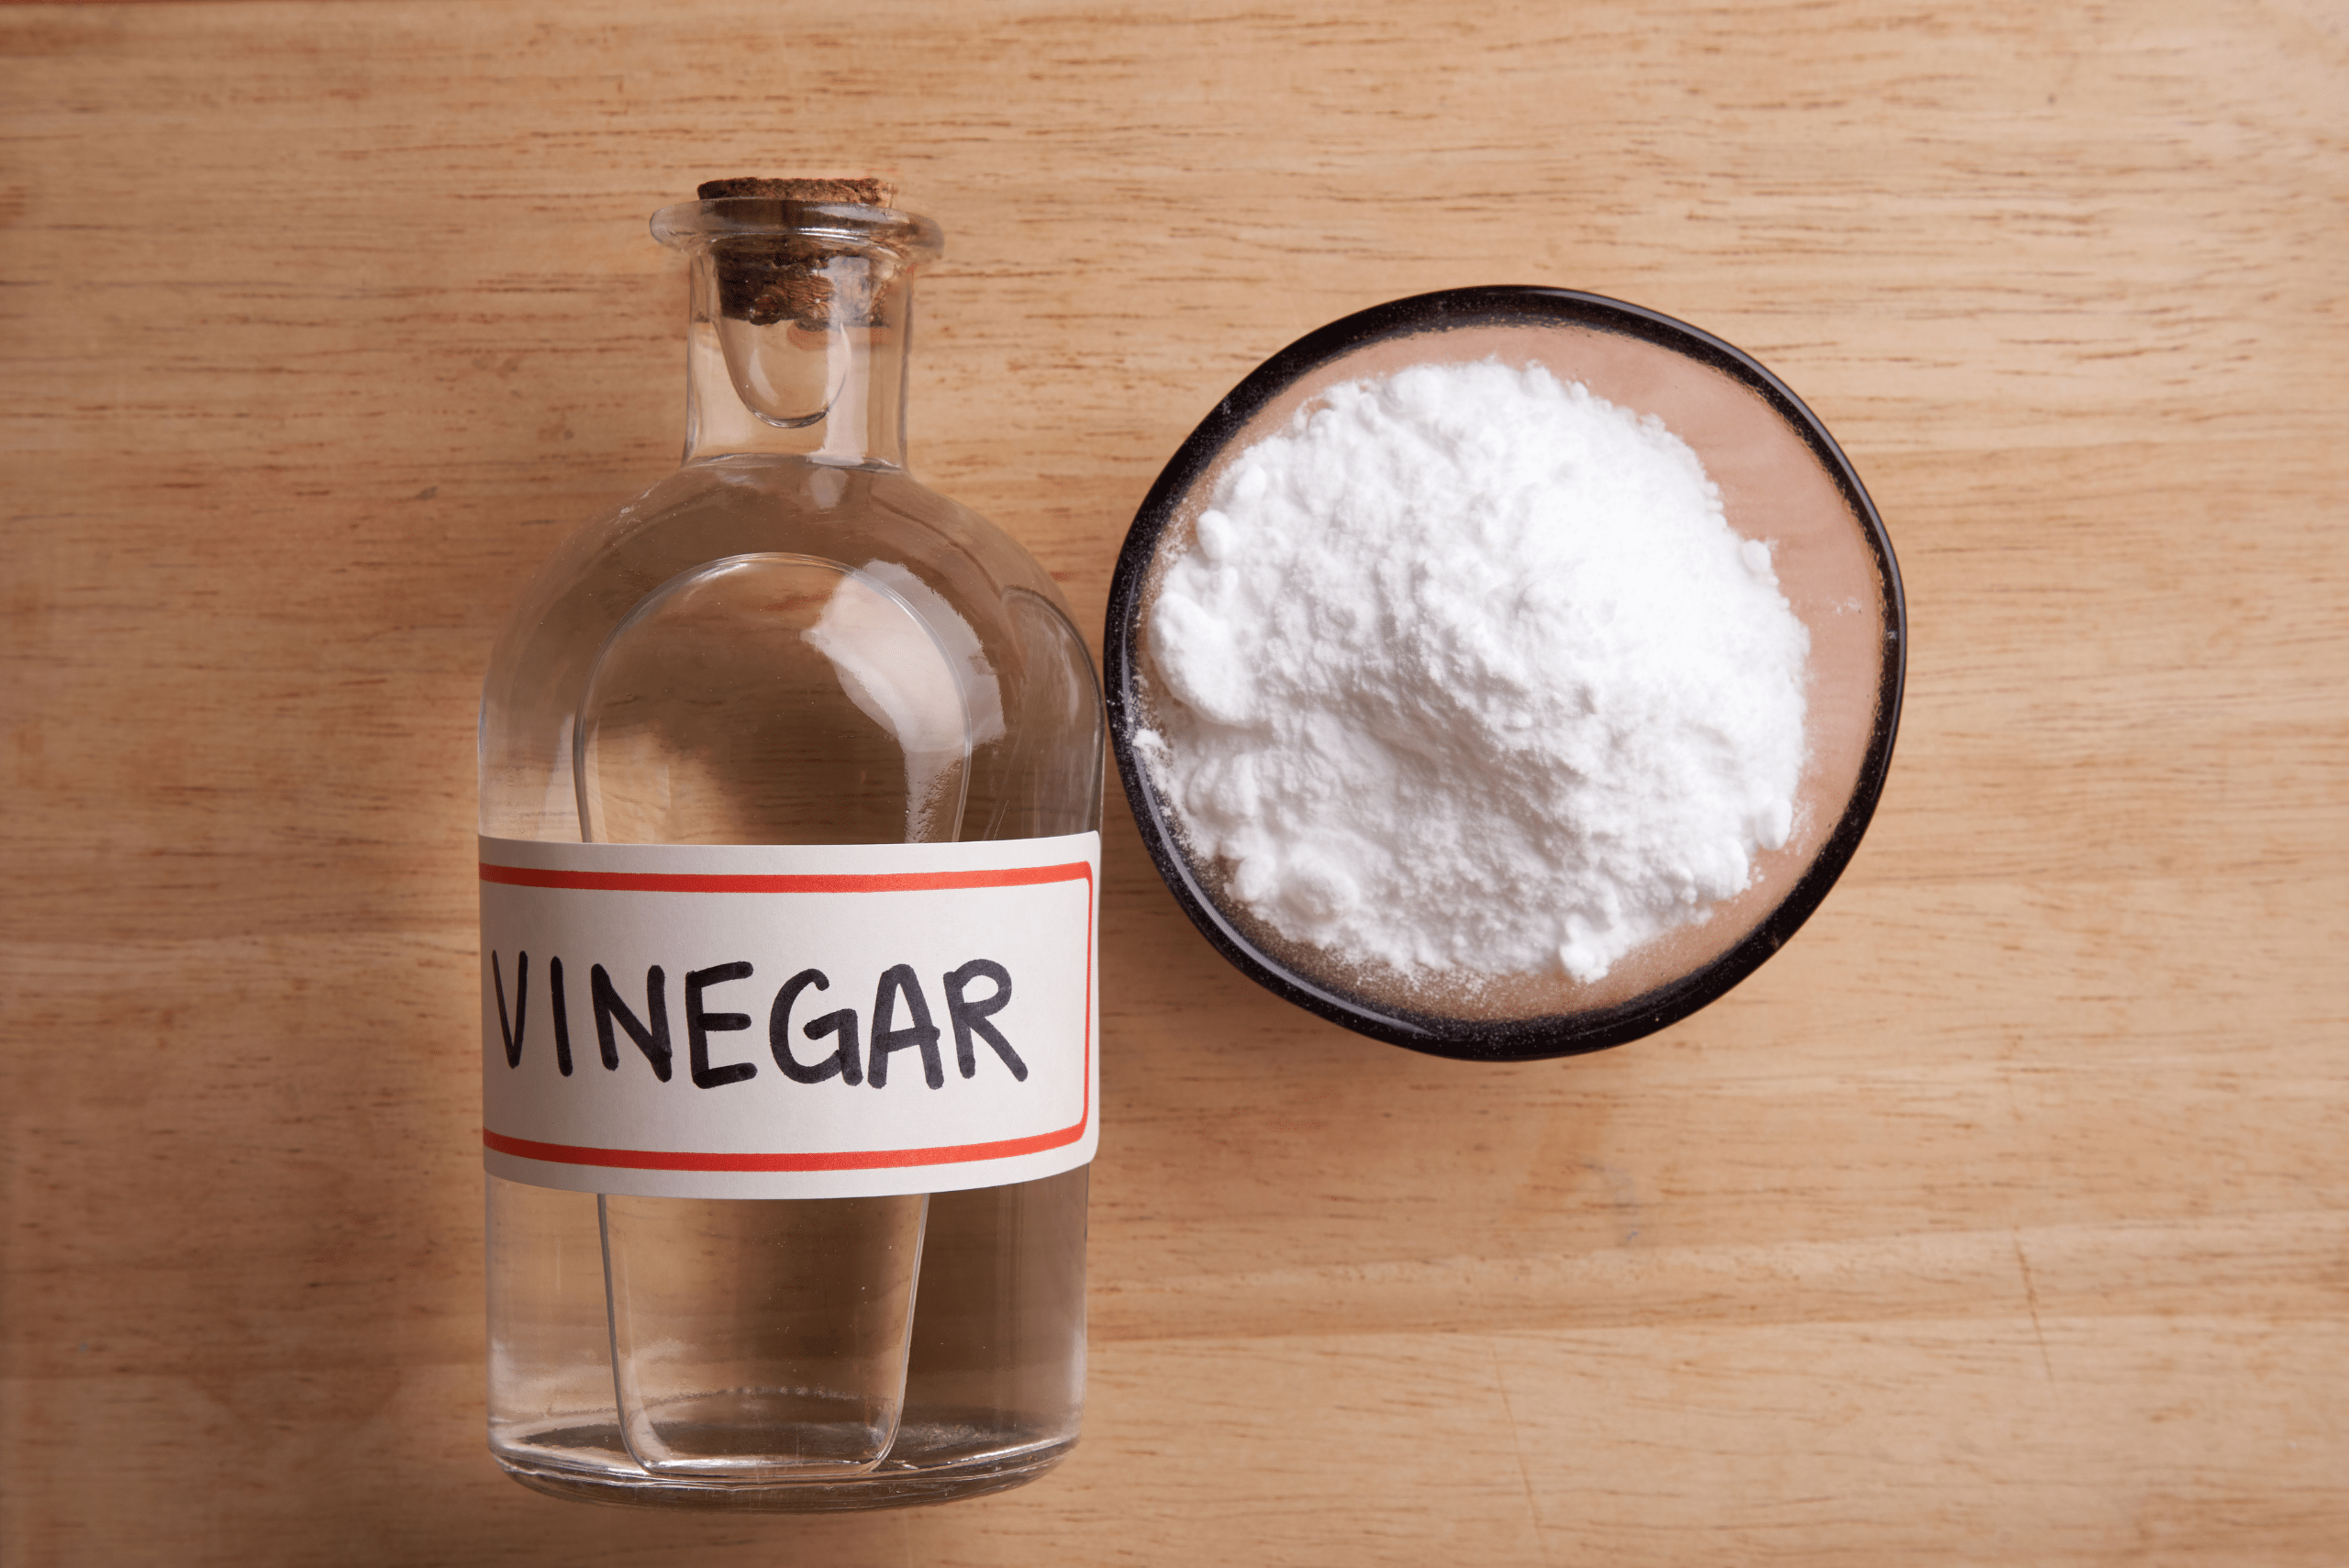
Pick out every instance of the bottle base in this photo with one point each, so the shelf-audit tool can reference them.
(903, 1487)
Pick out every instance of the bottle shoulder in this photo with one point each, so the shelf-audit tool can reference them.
(992, 609)
(718, 508)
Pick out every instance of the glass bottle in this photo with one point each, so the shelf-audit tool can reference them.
(788, 642)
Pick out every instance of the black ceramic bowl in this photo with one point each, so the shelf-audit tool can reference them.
(1782, 478)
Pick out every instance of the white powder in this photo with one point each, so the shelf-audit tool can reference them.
(1467, 672)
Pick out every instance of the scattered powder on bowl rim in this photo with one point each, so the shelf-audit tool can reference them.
(1467, 674)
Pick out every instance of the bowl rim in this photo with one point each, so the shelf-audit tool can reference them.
(1503, 1039)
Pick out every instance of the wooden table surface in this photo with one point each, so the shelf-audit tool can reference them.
(2003, 1217)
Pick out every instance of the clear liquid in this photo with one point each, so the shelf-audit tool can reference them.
(995, 1377)
(751, 1405)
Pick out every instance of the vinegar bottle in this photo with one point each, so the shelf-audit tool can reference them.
(790, 798)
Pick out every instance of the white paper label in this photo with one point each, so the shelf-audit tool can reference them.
(763, 1021)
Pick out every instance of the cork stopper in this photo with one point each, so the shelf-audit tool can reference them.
(787, 275)
(858, 190)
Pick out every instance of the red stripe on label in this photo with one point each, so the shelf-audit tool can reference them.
(891, 882)
(858, 1160)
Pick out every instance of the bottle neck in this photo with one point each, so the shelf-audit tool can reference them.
(800, 352)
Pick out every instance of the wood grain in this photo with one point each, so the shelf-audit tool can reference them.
(2003, 1217)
